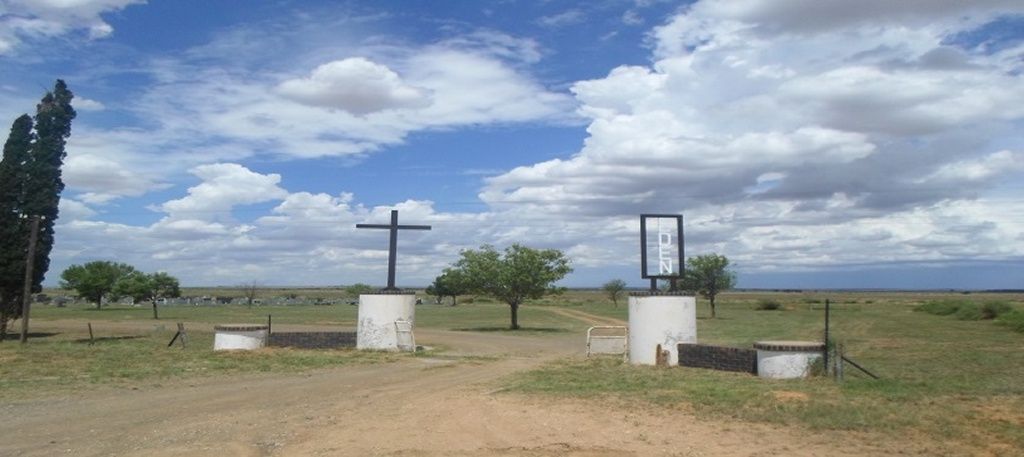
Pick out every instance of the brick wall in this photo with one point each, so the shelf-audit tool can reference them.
(718, 358)
(313, 340)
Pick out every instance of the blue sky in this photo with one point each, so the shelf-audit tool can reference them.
(870, 144)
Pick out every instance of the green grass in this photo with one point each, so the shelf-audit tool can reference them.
(941, 307)
(1013, 320)
(67, 362)
(306, 314)
(941, 377)
(966, 310)
(994, 309)
(817, 403)
(493, 317)
(62, 360)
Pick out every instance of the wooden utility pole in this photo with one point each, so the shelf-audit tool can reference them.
(26, 298)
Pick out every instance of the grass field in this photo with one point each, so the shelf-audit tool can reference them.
(63, 365)
(942, 377)
(60, 361)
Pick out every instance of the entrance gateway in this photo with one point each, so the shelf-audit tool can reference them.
(660, 320)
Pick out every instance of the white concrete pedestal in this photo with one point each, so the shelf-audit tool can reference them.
(665, 320)
(786, 359)
(239, 337)
(375, 329)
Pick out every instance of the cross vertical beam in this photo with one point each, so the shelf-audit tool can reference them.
(392, 249)
(393, 227)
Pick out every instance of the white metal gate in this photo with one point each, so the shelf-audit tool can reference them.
(608, 339)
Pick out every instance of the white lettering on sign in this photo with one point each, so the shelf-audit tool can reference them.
(664, 249)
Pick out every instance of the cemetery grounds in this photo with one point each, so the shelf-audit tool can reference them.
(948, 387)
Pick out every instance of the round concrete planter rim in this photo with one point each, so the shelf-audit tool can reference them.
(240, 327)
(789, 346)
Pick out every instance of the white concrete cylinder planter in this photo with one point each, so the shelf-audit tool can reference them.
(375, 328)
(665, 320)
(244, 337)
(787, 359)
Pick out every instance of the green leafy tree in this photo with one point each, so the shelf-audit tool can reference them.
(13, 228)
(449, 284)
(135, 285)
(613, 289)
(94, 280)
(358, 289)
(142, 287)
(514, 276)
(708, 275)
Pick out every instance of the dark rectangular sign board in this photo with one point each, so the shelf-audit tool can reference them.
(661, 246)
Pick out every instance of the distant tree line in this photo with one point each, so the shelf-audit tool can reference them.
(30, 186)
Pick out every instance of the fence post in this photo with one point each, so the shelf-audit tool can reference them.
(839, 362)
(827, 310)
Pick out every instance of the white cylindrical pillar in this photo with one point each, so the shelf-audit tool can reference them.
(375, 328)
(665, 320)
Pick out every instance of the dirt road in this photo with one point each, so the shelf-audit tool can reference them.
(417, 407)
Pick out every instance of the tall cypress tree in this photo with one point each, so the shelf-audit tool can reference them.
(30, 185)
(44, 185)
(13, 243)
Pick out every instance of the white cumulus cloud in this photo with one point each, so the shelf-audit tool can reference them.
(34, 19)
(87, 104)
(779, 135)
(356, 85)
(224, 186)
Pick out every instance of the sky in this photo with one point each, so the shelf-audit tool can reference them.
(816, 144)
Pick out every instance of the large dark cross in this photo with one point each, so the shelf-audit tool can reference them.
(393, 246)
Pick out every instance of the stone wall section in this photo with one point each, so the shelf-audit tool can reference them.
(313, 340)
(718, 358)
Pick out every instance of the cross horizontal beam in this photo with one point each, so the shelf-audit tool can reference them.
(394, 227)
(389, 227)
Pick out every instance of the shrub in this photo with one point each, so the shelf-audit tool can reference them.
(940, 307)
(969, 312)
(986, 311)
(1012, 319)
(994, 309)
(766, 304)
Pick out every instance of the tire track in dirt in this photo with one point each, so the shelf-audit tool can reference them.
(584, 316)
(264, 414)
